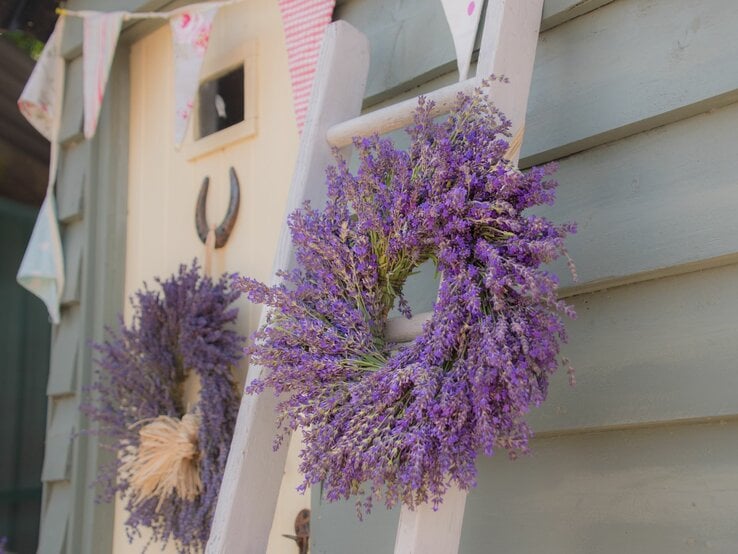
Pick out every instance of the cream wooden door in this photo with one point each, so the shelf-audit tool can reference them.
(164, 182)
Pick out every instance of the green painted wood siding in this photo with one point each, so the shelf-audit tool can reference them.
(91, 198)
(636, 100)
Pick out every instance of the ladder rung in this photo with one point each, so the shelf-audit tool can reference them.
(396, 116)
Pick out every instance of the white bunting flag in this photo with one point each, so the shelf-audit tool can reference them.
(98, 48)
(42, 268)
(463, 19)
(39, 101)
(304, 26)
(190, 36)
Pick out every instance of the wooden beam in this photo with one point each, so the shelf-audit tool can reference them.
(253, 474)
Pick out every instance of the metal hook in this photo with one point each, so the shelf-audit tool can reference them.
(223, 231)
(302, 531)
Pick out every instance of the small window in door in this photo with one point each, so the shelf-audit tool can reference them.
(221, 102)
(226, 109)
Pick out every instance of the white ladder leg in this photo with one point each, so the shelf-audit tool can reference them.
(253, 474)
(508, 48)
(424, 531)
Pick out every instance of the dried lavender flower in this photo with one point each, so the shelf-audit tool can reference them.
(185, 327)
(405, 422)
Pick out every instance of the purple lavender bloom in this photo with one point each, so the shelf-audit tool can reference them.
(405, 422)
(184, 327)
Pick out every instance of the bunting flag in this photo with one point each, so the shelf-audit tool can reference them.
(42, 268)
(463, 20)
(304, 26)
(39, 100)
(190, 38)
(99, 40)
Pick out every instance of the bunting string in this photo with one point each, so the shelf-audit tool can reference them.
(128, 16)
(42, 269)
(304, 23)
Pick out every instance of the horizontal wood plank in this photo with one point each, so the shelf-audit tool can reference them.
(629, 66)
(662, 489)
(666, 489)
(649, 353)
(657, 203)
(58, 458)
(64, 353)
(640, 355)
(71, 181)
(71, 117)
(73, 243)
(411, 42)
(637, 219)
(55, 518)
(686, 65)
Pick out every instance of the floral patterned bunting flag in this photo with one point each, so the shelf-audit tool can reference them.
(304, 25)
(39, 100)
(463, 19)
(190, 36)
(98, 48)
(42, 268)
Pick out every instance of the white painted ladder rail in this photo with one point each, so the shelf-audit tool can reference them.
(253, 474)
(508, 48)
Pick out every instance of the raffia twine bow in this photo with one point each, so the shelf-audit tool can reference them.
(166, 461)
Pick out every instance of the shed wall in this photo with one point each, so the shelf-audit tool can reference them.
(635, 100)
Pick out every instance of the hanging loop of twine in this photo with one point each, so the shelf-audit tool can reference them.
(209, 250)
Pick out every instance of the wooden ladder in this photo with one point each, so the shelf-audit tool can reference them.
(253, 474)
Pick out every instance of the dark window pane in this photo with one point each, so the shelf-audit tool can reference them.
(221, 102)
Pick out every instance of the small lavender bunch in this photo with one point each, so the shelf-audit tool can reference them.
(405, 422)
(181, 329)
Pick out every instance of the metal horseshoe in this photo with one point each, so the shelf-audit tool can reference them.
(223, 231)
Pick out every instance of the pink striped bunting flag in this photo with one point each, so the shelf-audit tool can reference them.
(304, 25)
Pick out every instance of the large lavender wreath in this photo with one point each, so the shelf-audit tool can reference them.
(406, 422)
(142, 368)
